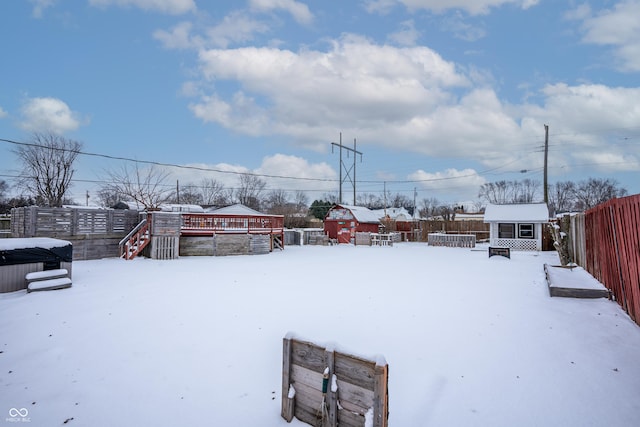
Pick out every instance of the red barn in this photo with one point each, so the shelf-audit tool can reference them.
(343, 221)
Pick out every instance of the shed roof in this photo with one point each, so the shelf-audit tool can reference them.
(529, 212)
(362, 214)
(400, 214)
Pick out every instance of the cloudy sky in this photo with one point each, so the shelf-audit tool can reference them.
(439, 96)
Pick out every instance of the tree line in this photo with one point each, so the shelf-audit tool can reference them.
(47, 172)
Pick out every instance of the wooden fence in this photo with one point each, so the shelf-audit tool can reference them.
(478, 228)
(94, 233)
(612, 241)
(452, 240)
(355, 389)
(34, 221)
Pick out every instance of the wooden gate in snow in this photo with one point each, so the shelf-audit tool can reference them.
(356, 389)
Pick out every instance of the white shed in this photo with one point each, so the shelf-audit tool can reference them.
(518, 227)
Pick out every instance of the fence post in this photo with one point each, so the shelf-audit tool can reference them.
(331, 394)
(33, 222)
(381, 396)
(288, 403)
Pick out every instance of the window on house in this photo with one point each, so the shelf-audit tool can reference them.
(506, 231)
(525, 231)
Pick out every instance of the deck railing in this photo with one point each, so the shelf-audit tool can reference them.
(207, 224)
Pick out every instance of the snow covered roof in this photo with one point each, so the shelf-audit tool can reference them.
(237, 209)
(469, 217)
(394, 213)
(31, 242)
(173, 207)
(529, 212)
(362, 214)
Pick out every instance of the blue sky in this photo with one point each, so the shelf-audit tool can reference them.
(440, 95)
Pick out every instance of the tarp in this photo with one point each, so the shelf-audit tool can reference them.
(36, 254)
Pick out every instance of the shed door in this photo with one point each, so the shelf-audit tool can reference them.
(344, 235)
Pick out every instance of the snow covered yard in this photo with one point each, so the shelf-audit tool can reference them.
(470, 340)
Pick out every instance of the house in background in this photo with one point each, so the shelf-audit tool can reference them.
(343, 221)
(518, 227)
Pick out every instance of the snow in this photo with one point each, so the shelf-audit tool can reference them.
(32, 242)
(470, 340)
(292, 392)
(529, 212)
(574, 278)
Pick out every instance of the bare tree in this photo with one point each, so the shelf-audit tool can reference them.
(562, 196)
(148, 187)
(249, 193)
(4, 188)
(47, 166)
(499, 192)
(428, 207)
(301, 200)
(277, 202)
(108, 198)
(188, 195)
(214, 193)
(594, 191)
(527, 191)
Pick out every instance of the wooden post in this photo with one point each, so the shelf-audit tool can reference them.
(288, 404)
(332, 397)
(381, 396)
(33, 221)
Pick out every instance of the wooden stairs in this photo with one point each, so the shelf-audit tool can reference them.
(277, 242)
(48, 280)
(135, 241)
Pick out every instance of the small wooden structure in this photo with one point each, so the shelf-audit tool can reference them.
(518, 226)
(321, 386)
(497, 251)
(452, 240)
(48, 280)
(573, 282)
(342, 222)
(21, 257)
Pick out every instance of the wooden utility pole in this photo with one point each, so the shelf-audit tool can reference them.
(546, 154)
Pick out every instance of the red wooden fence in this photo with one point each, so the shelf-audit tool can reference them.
(613, 250)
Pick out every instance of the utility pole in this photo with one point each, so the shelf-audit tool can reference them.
(546, 154)
(177, 191)
(343, 166)
(415, 193)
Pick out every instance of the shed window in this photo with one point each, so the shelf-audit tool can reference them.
(506, 231)
(525, 231)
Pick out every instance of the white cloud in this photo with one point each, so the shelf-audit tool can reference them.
(3, 113)
(308, 92)
(39, 7)
(404, 99)
(407, 35)
(465, 182)
(618, 27)
(456, 24)
(172, 7)
(299, 11)
(317, 177)
(236, 28)
(179, 37)
(48, 115)
(472, 7)
(589, 124)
